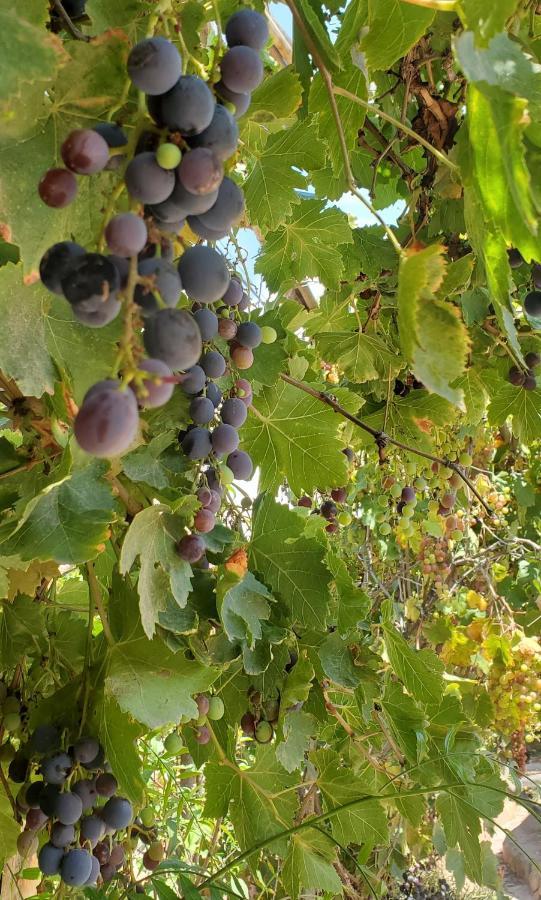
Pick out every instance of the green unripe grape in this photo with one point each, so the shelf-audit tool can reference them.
(268, 334)
(419, 484)
(383, 500)
(227, 475)
(345, 518)
(407, 527)
(465, 459)
(384, 529)
(168, 156)
(10, 705)
(216, 709)
(457, 535)
(264, 732)
(147, 816)
(408, 511)
(173, 742)
(396, 491)
(130, 843)
(12, 722)
(7, 752)
(156, 851)
(201, 720)
(381, 516)
(411, 467)
(433, 506)
(246, 503)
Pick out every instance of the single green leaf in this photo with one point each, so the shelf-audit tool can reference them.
(319, 36)
(405, 720)
(420, 671)
(291, 564)
(272, 108)
(523, 407)
(298, 727)
(22, 629)
(393, 27)
(242, 605)
(337, 661)
(308, 865)
(23, 351)
(363, 357)
(118, 734)
(293, 435)
(502, 64)
(9, 830)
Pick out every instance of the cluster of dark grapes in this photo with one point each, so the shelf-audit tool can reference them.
(69, 797)
(210, 709)
(260, 719)
(177, 173)
(330, 509)
(419, 884)
(526, 379)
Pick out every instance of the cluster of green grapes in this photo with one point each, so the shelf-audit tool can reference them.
(259, 721)
(210, 709)
(515, 689)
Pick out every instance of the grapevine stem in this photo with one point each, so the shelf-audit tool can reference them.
(441, 157)
(70, 27)
(439, 5)
(383, 439)
(97, 599)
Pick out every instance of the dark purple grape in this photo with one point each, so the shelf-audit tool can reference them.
(85, 151)
(86, 790)
(339, 495)
(329, 510)
(76, 867)
(62, 835)
(214, 393)
(408, 495)
(118, 856)
(107, 422)
(204, 495)
(53, 266)
(58, 188)
(103, 315)
(233, 295)
(90, 279)
(56, 768)
(244, 303)
(196, 444)
(249, 335)
(201, 410)
(165, 281)
(213, 364)
(49, 859)
(202, 735)
(172, 335)
(36, 819)
(207, 322)
(33, 794)
(530, 382)
(305, 502)
(200, 171)
(92, 879)
(248, 723)
(111, 133)
(155, 394)
(234, 412)
(242, 69)
(102, 852)
(516, 376)
(204, 274)
(48, 797)
(227, 329)
(117, 813)
(92, 830)
(204, 521)
(126, 234)
(99, 759)
(188, 107)
(206, 234)
(241, 465)
(215, 502)
(515, 258)
(532, 304)
(247, 27)
(74, 8)
(227, 209)
(44, 739)
(349, 454)
(123, 268)
(536, 276)
(154, 65)
(532, 360)
(221, 136)
(241, 102)
(191, 548)
(86, 749)
(147, 181)
(68, 808)
(194, 381)
(224, 439)
(183, 203)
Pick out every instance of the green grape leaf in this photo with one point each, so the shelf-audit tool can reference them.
(393, 27)
(363, 357)
(289, 563)
(307, 245)
(420, 671)
(462, 826)
(366, 821)
(433, 338)
(308, 865)
(153, 685)
(9, 831)
(502, 64)
(23, 351)
(272, 108)
(293, 435)
(298, 684)
(271, 186)
(353, 603)
(153, 464)
(370, 254)
(318, 36)
(405, 721)
(485, 17)
(242, 606)
(524, 407)
(22, 626)
(298, 727)
(337, 661)
(163, 572)
(68, 520)
(118, 733)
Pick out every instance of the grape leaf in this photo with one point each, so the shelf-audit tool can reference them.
(291, 434)
(23, 351)
(9, 831)
(485, 17)
(22, 626)
(272, 108)
(337, 661)
(118, 733)
(68, 520)
(419, 670)
(370, 254)
(524, 407)
(393, 27)
(363, 357)
(305, 246)
(308, 865)
(163, 572)
(405, 721)
(153, 685)
(291, 564)
(242, 605)
(502, 64)
(270, 189)
(298, 727)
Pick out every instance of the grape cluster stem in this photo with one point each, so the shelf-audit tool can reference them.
(70, 27)
(382, 439)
